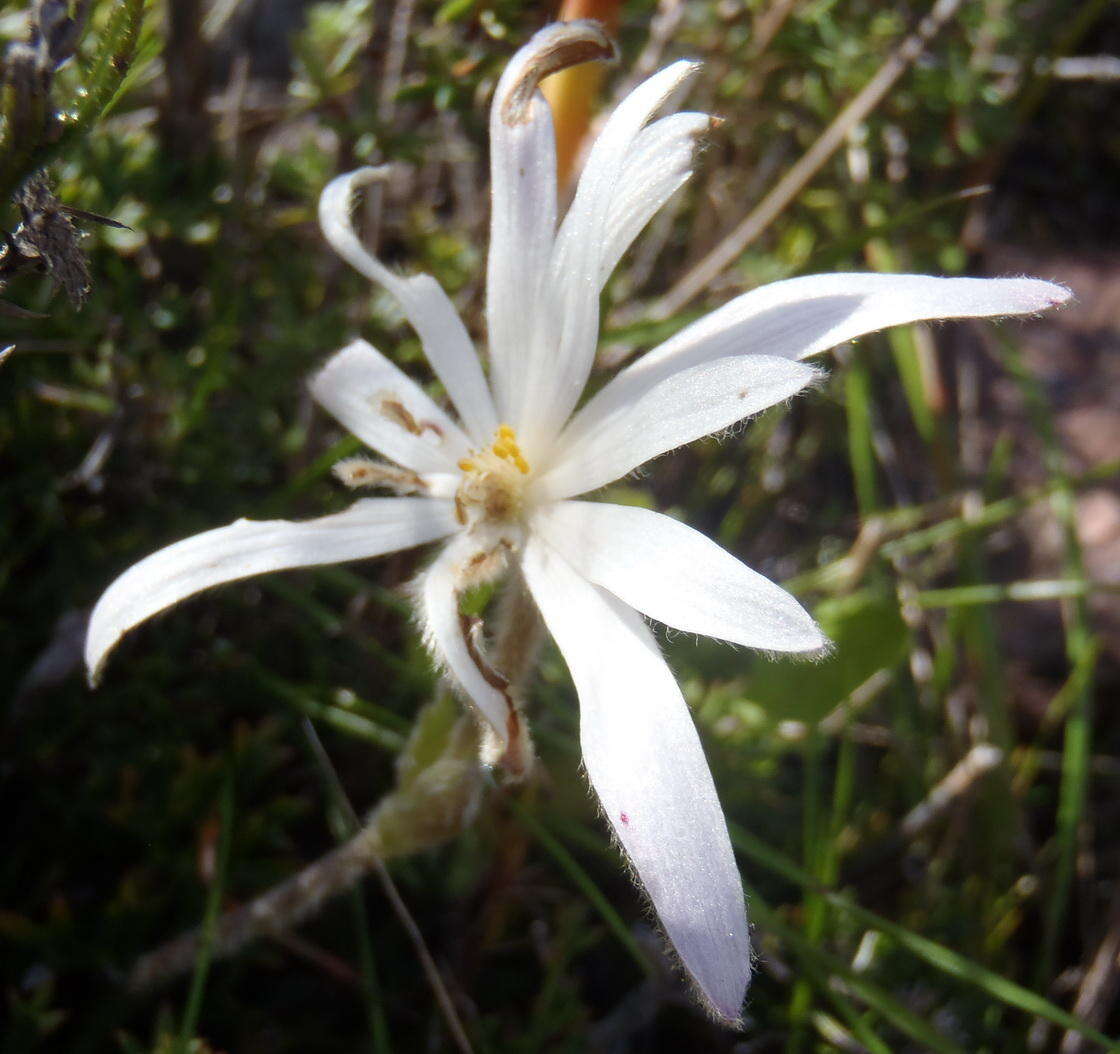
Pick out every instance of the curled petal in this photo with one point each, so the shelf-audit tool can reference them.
(455, 639)
(676, 575)
(523, 201)
(447, 345)
(645, 762)
(370, 527)
(609, 436)
(387, 410)
(554, 48)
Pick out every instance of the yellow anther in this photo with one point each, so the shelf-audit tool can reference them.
(504, 448)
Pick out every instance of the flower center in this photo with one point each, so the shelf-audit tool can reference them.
(493, 485)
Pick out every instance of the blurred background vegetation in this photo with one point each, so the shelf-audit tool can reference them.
(926, 822)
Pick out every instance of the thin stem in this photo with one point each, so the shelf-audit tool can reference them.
(205, 945)
(437, 792)
(396, 901)
(520, 632)
(346, 824)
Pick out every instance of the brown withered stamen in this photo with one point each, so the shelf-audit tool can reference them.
(518, 755)
(363, 472)
(397, 412)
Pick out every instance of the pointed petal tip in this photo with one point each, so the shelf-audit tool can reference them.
(98, 646)
(816, 647)
(1034, 295)
(809, 649)
(94, 666)
(729, 1015)
(723, 997)
(687, 67)
(1057, 294)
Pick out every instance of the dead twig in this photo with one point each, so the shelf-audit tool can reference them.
(982, 758)
(396, 902)
(434, 799)
(792, 183)
(1100, 984)
(662, 27)
(767, 24)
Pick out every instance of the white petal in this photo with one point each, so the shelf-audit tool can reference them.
(251, 547)
(659, 165)
(447, 345)
(523, 202)
(574, 281)
(448, 635)
(367, 393)
(676, 575)
(803, 316)
(609, 437)
(644, 760)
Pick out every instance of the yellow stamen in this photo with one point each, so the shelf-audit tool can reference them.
(492, 491)
(505, 447)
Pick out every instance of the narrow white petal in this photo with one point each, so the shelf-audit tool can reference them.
(522, 226)
(676, 575)
(387, 410)
(447, 345)
(645, 761)
(448, 635)
(523, 201)
(659, 165)
(574, 280)
(369, 527)
(609, 437)
(803, 316)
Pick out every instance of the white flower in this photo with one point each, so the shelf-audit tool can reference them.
(499, 479)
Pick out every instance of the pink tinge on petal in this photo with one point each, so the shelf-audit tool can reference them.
(644, 760)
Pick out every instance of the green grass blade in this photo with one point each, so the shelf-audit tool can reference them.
(582, 880)
(1080, 643)
(345, 822)
(973, 595)
(904, 1019)
(861, 451)
(937, 955)
(210, 918)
